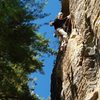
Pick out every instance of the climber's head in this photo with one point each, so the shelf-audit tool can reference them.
(60, 15)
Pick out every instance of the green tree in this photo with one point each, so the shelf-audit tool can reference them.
(20, 47)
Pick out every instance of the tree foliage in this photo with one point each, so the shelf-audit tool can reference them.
(20, 47)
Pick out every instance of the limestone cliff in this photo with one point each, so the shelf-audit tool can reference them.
(76, 74)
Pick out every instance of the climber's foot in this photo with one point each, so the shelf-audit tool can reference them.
(63, 48)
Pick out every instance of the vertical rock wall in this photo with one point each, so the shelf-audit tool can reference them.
(76, 75)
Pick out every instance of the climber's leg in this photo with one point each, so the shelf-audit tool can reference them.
(60, 37)
(63, 45)
(62, 32)
(63, 38)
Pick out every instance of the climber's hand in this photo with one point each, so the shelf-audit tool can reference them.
(51, 23)
(69, 16)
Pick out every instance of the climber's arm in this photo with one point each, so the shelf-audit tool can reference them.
(53, 22)
(67, 17)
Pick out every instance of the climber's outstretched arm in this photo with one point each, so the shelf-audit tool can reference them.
(67, 17)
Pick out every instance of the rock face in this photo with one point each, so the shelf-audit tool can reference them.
(76, 74)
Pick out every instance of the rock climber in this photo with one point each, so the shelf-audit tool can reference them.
(58, 24)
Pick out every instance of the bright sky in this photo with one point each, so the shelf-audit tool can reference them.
(43, 83)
